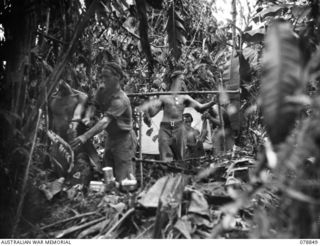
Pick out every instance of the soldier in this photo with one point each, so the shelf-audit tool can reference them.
(194, 145)
(222, 139)
(116, 120)
(172, 134)
(66, 109)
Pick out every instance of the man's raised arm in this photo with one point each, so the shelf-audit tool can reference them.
(200, 107)
(97, 128)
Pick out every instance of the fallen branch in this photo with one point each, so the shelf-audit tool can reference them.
(77, 228)
(93, 229)
(107, 226)
(146, 230)
(67, 220)
(129, 212)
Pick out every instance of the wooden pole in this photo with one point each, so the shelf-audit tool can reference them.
(169, 162)
(140, 149)
(181, 93)
(25, 179)
(223, 144)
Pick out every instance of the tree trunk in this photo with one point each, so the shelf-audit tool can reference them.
(20, 35)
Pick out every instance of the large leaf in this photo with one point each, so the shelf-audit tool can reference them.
(166, 188)
(198, 204)
(176, 32)
(252, 56)
(244, 69)
(300, 12)
(281, 78)
(231, 73)
(184, 226)
(231, 78)
(255, 35)
(143, 30)
(312, 70)
(270, 11)
(119, 7)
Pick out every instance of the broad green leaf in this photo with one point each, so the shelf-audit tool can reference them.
(116, 6)
(143, 31)
(255, 35)
(231, 78)
(184, 226)
(282, 77)
(270, 11)
(300, 11)
(312, 70)
(244, 68)
(251, 55)
(198, 204)
(176, 32)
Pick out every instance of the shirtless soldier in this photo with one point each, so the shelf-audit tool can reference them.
(172, 133)
(66, 109)
(194, 145)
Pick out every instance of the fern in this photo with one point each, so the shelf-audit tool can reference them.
(281, 78)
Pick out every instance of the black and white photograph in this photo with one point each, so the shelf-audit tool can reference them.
(159, 119)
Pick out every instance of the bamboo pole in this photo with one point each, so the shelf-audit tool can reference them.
(25, 179)
(140, 149)
(181, 93)
(168, 162)
(223, 144)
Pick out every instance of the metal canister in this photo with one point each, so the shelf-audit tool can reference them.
(108, 174)
(96, 186)
(109, 179)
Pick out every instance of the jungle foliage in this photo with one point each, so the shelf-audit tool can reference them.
(274, 58)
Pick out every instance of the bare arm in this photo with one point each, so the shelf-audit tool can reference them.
(198, 106)
(89, 114)
(215, 121)
(97, 128)
(150, 109)
(100, 126)
(82, 100)
(204, 131)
